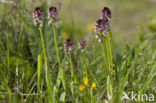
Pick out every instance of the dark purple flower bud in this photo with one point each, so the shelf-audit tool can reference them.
(68, 44)
(106, 12)
(82, 44)
(38, 17)
(102, 26)
(52, 14)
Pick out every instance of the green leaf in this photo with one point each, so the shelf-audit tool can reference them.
(109, 89)
(62, 98)
(2, 96)
(38, 71)
(2, 88)
(93, 99)
(9, 92)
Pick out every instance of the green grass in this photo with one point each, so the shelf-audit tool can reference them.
(35, 68)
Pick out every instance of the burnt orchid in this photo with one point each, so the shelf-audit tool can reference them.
(38, 20)
(81, 45)
(102, 30)
(102, 26)
(52, 14)
(68, 45)
(38, 17)
(106, 12)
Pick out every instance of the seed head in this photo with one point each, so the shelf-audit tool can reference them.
(106, 12)
(68, 44)
(38, 17)
(81, 44)
(52, 14)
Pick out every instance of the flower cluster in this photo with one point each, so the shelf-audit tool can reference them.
(102, 25)
(38, 17)
(86, 82)
(52, 14)
(81, 45)
(106, 12)
(68, 44)
(93, 85)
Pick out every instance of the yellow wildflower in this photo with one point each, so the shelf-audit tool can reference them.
(85, 80)
(93, 85)
(81, 87)
(90, 27)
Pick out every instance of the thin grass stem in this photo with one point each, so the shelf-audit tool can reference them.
(8, 52)
(9, 92)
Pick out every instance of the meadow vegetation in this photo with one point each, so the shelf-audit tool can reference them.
(77, 52)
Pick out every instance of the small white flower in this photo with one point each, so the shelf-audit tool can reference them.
(99, 40)
(96, 36)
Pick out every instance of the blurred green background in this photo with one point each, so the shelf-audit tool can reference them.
(129, 16)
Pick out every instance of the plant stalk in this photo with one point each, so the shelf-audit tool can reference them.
(8, 52)
(84, 60)
(71, 65)
(107, 50)
(46, 64)
(105, 57)
(58, 58)
(110, 50)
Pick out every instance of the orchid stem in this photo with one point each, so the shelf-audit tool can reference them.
(107, 50)
(84, 60)
(110, 50)
(71, 65)
(105, 58)
(44, 53)
(46, 64)
(58, 58)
